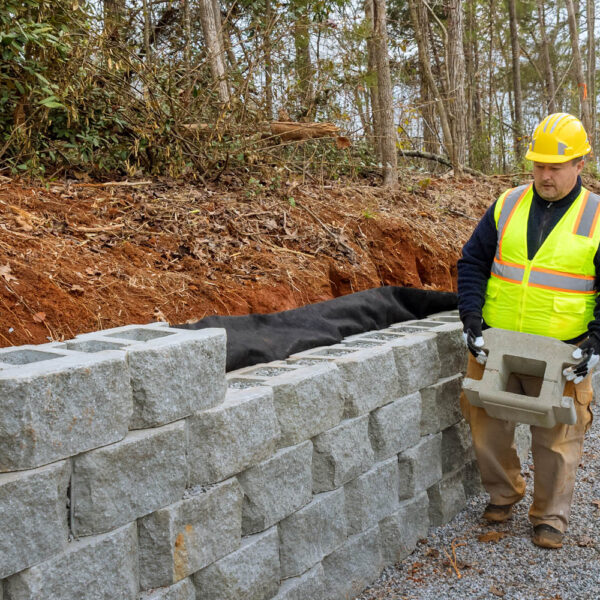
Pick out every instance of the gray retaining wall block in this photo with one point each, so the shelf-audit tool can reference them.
(56, 408)
(311, 533)
(372, 496)
(523, 441)
(251, 573)
(417, 361)
(451, 349)
(276, 487)
(117, 484)
(180, 539)
(352, 567)
(395, 427)
(308, 586)
(425, 462)
(33, 516)
(103, 567)
(440, 404)
(341, 454)
(472, 480)
(401, 531)
(233, 436)
(446, 498)
(457, 447)
(183, 590)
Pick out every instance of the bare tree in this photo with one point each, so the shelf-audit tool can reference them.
(211, 29)
(548, 70)
(591, 65)
(516, 81)
(303, 60)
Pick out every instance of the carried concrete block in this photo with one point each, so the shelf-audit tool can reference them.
(311, 533)
(524, 354)
(422, 464)
(251, 573)
(58, 407)
(33, 516)
(446, 498)
(352, 567)
(308, 586)
(180, 539)
(372, 496)
(183, 590)
(341, 454)
(276, 487)
(457, 447)
(233, 436)
(395, 427)
(417, 361)
(440, 405)
(103, 567)
(117, 484)
(400, 532)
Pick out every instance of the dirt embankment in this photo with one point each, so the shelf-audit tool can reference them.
(80, 257)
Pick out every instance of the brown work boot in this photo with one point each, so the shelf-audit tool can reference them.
(497, 513)
(547, 536)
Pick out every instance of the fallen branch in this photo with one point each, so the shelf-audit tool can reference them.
(290, 130)
(112, 184)
(441, 159)
(99, 229)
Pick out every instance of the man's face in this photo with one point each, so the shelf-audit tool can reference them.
(554, 181)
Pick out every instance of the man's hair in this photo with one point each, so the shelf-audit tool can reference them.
(577, 160)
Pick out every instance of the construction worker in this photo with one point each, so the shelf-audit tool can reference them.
(533, 265)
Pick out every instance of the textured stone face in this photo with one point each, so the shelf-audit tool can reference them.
(121, 482)
(311, 533)
(457, 447)
(181, 539)
(56, 408)
(395, 427)
(451, 349)
(425, 462)
(233, 436)
(353, 566)
(309, 585)
(33, 516)
(341, 454)
(446, 498)
(252, 572)
(183, 590)
(417, 362)
(440, 404)
(276, 487)
(102, 567)
(372, 496)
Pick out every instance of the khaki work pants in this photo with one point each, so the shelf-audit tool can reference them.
(556, 451)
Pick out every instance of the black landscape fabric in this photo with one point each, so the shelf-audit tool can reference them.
(257, 338)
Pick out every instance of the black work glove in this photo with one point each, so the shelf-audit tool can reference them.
(473, 338)
(589, 353)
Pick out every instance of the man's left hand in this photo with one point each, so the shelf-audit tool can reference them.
(589, 355)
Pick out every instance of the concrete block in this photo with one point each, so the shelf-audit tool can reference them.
(395, 427)
(424, 461)
(307, 402)
(308, 586)
(183, 590)
(400, 532)
(311, 533)
(55, 408)
(33, 516)
(451, 349)
(372, 496)
(121, 482)
(341, 454)
(233, 436)
(180, 539)
(417, 361)
(103, 567)
(472, 480)
(276, 487)
(446, 498)
(251, 573)
(457, 447)
(523, 441)
(352, 567)
(440, 406)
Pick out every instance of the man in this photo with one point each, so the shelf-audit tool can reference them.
(533, 265)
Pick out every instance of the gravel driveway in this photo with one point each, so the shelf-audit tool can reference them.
(505, 564)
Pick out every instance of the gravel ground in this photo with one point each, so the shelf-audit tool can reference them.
(510, 567)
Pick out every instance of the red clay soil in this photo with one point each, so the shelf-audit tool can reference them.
(80, 257)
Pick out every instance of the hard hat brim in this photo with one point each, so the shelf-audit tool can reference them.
(552, 158)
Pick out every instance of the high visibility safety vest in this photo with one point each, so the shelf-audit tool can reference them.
(553, 294)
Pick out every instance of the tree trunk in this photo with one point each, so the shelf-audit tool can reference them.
(584, 100)
(591, 66)
(372, 81)
(516, 77)
(303, 61)
(114, 17)
(268, 60)
(147, 29)
(548, 71)
(211, 29)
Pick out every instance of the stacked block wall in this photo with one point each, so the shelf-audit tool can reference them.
(133, 467)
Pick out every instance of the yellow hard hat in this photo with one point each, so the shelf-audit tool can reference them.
(557, 139)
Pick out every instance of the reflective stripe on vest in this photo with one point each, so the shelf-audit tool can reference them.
(563, 282)
(511, 200)
(508, 271)
(586, 220)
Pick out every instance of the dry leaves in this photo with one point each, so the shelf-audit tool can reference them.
(39, 317)
(77, 290)
(5, 272)
(497, 592)
(585, 541)
(491, 536)
(596, 503)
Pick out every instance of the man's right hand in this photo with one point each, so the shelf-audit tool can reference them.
(473, 338)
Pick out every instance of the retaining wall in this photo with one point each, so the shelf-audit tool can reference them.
(132, 466)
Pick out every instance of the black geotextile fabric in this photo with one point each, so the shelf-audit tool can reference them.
(256, 338)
